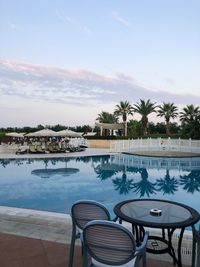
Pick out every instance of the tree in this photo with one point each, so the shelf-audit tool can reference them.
(190, 118)
(167, 110)
(106, 117)
(134, 129)
(124, 109)
(189, 113)
(144, 109)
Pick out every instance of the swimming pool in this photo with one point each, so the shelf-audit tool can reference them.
(53, 184)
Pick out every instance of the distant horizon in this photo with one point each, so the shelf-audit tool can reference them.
(65, 62)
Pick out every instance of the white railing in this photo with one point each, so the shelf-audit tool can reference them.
(155, 144)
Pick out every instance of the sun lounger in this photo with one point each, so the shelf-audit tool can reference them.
(22, 150)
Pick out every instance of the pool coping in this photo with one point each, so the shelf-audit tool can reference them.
(57, 227)
(162, 154)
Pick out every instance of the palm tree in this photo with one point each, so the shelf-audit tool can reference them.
(144, 109)
(167, 110)
(189, 113)
(106, 117)
(190, 118)
(124, 109)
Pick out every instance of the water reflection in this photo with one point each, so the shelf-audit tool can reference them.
(123, 184)
(47, 173)
(144, 187)
(191, 181)
(139, 176)
(168, 185)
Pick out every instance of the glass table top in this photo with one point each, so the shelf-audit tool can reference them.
(156, 213)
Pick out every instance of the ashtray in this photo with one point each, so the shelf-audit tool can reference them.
(156, 212)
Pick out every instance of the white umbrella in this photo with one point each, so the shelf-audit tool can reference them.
(47, 173)
(68, 133)
(42, 133)
(14, 134)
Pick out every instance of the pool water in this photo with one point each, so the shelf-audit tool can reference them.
(53, 184)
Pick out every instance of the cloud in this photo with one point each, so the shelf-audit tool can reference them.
(13, 26)
(75, 23)
(120, 19)
(76, 87)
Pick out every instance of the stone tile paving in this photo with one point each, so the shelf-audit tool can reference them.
(16, 251)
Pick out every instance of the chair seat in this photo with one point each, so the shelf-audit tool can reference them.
(131, 263)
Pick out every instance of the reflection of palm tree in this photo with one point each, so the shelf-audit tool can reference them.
(144, 186)
(123, 184)
(99, 160)
(4, 162)
(84, 159)
(104, 174)
(105, 169)
(191, 182)
(167, 185)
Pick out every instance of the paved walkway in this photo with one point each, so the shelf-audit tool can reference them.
(18, 251)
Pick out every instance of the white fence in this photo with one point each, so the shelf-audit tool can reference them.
(155, 144)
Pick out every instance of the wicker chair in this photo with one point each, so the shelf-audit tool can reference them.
(82, 212)
(109, 244)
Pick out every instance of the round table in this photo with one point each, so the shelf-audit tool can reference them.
(162, 214)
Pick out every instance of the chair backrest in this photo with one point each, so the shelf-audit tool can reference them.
(108, 242)
(84, 211)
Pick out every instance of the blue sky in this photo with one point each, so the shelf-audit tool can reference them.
(66, 61)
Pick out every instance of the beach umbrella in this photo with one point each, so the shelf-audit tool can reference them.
(42, 133)
(14, 134)
(68, 133)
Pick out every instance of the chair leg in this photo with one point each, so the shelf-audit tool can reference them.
(71, 253)
(144, 258)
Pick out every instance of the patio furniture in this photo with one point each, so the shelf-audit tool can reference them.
(82, 212)
(162, 214)
(32, 149)
(22, 150)
(40, 149)
(197, 239)
(111, 244)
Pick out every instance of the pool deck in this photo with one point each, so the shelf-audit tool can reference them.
(87, 152)
(37, 238)
(16, 251)
(168, 154)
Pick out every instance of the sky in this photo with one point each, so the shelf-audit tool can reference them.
(64, 62)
